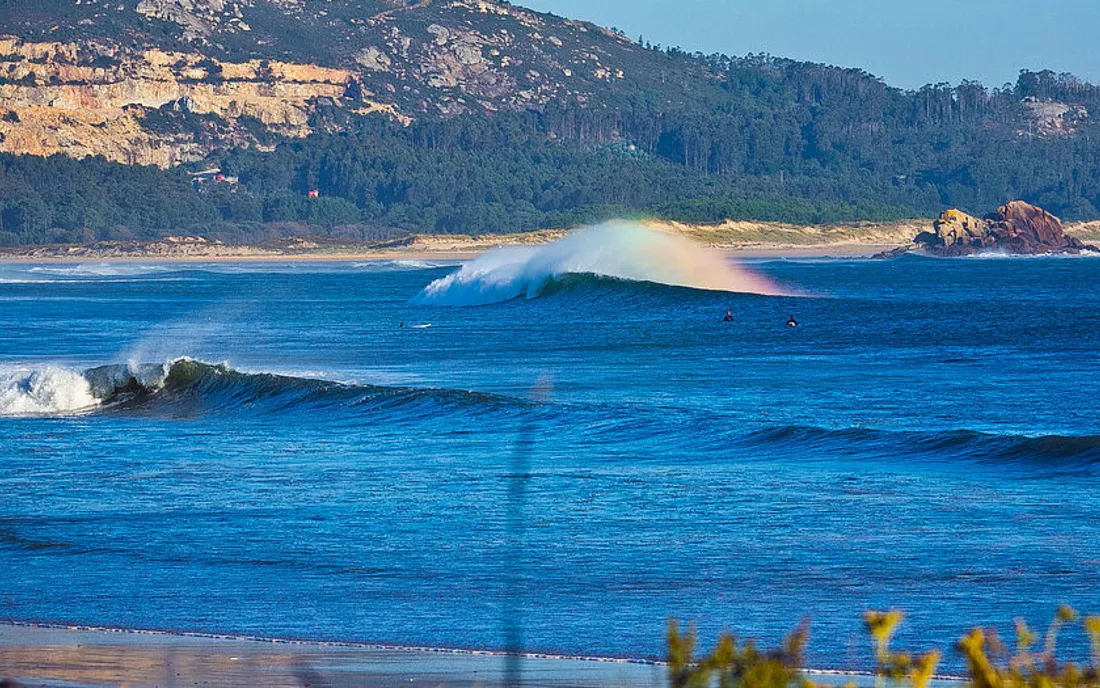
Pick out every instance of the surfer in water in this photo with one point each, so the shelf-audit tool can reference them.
(729, 317)
(791, 322)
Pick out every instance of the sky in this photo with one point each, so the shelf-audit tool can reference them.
(909, 43)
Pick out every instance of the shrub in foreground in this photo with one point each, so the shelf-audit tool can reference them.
(990, 663)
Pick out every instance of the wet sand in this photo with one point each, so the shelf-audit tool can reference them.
(79, 657)
(71, 657)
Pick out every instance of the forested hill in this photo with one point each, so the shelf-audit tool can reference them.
(481, 116)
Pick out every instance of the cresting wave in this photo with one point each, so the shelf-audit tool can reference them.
(620, 250)
(186, 386)
(1060, 452)
(46, 390)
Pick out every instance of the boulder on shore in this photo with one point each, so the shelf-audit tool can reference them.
(1017, 227)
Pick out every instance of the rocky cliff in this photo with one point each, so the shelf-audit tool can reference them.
(81, 77)
(1017, 227)
(88, 98)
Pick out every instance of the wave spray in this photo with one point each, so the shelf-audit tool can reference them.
(620, 250)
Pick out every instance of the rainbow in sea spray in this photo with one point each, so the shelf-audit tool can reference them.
(619, 250)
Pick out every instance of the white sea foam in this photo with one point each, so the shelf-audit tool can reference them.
(399, 265)
(996, 254)
(101, 270)
(45, 390)
(623, 250)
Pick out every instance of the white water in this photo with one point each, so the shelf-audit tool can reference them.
(996, 254)
(43, 390)
(397, 265)
(102, 270)
(622, 250)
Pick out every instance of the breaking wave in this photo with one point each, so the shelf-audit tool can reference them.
(186, 386)
(189, 388)
(46, 390)
(619, 250)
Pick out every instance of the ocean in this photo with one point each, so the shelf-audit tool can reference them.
(560, 448)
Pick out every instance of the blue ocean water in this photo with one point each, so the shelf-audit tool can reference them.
(285, 450)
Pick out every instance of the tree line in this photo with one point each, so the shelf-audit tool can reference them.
(763, 138)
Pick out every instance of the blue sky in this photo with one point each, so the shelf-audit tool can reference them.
(907, 42)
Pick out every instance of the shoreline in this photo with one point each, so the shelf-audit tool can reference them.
(737, 239)
(243, 257)
(154, 635)
(246, 255)
(63, 655)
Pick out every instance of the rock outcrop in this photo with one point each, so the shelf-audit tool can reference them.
(410, 58)
(1050, 118)
(85, 99)
(1017, 228)
(165, 82)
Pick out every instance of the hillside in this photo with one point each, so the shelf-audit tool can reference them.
(81, 78)
(479, 116)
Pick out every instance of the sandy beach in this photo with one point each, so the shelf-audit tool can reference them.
(69, 656)
(826, 251)
(81, 657)
(737, 239)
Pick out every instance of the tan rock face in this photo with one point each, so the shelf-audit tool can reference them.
(1017, 227)
(55, 99)
(956, 227)
(95, 96)
(76, 133)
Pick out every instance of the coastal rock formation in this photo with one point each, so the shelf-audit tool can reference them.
(1017, 227)
(165, 82)
(85, 99)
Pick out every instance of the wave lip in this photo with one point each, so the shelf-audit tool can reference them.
(54, 390)
(621, 250)
(186, 387)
